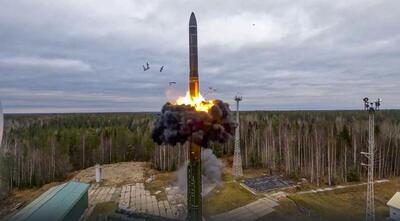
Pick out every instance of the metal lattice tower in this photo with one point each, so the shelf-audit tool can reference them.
(237, 158)
(370, 209)
(370, 155)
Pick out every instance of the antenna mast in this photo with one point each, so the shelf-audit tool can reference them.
(371, 107)
(237, 158)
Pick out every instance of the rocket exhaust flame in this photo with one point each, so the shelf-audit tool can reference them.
(196, 121)
(199, 103)
(193, 96)
(178, 123)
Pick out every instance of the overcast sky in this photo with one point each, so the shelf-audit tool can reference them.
(87, 55)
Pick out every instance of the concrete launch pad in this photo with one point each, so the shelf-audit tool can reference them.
(267, 183)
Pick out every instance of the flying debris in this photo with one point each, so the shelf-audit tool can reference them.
(147, 67)
(172, 83)
(195, 121)
(178, 122)
(161, 69)
(210, 90)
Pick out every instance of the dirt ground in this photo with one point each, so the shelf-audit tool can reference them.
(298, 207)
(116, 174)
(19, 198)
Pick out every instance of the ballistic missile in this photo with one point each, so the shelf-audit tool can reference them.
(193, 62)
(194, 187)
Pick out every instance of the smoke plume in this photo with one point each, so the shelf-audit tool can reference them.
(211, 169)
(178, 123)
(171, 92)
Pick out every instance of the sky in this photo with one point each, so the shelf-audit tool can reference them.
(87, 55)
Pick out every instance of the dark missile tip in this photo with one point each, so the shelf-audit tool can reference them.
(192, 20)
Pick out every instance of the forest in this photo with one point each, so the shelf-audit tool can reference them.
(322, 146)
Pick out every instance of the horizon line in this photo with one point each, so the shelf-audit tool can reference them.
(138, 112)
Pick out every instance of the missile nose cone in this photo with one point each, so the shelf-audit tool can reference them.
(192, 20)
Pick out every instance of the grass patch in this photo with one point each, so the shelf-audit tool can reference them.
(227, 197)
(287, 210)
(344, 204)
(102, 210)
(227, 177)
(249, 173)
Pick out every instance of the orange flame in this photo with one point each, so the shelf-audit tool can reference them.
(199, 103)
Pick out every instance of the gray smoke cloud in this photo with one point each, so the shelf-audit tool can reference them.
(177, 123)
(211, 169)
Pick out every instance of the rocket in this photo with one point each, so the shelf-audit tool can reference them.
(194, 183)
(193, 61)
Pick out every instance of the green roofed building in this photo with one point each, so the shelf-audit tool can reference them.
(64, 202)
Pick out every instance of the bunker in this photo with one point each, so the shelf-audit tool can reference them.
(67, 201)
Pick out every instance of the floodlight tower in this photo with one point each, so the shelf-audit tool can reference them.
(371, 107)
(237, 158)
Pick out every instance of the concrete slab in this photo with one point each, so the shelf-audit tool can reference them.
(249, 212)
(162, 209)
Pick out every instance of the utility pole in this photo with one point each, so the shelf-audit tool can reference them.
(1, 123)
(371, 107)
(237, 157)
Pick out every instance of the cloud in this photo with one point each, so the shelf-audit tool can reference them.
(46, 63)
(297, 55)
